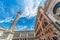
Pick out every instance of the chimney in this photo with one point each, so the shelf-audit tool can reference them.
(14, 22)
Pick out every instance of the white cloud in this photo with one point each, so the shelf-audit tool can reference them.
(30, 9)
(10, 19)
(20, 27)
(1, 21)
(24, 27)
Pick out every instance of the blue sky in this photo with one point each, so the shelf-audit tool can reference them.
(28, 8)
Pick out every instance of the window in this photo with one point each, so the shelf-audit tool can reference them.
(24, 39)
(56, 11)
(44, 39)
(30, 34)
(43, 26)
(46, 32)
(56, 7)
(57, 23)
(20, 38)
(55, 38)
(15, 39)
(49, 38)
(49, 30)
(23, 34)
(40, 17)
(38, 31)
(55, 33)
(45, 22)
(42, 34)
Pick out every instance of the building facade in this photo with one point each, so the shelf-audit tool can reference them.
(43, 27)
(25, 35)
(52, 10)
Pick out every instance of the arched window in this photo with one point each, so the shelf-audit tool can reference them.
(56, 11)
(56, 7)
(55, 38)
